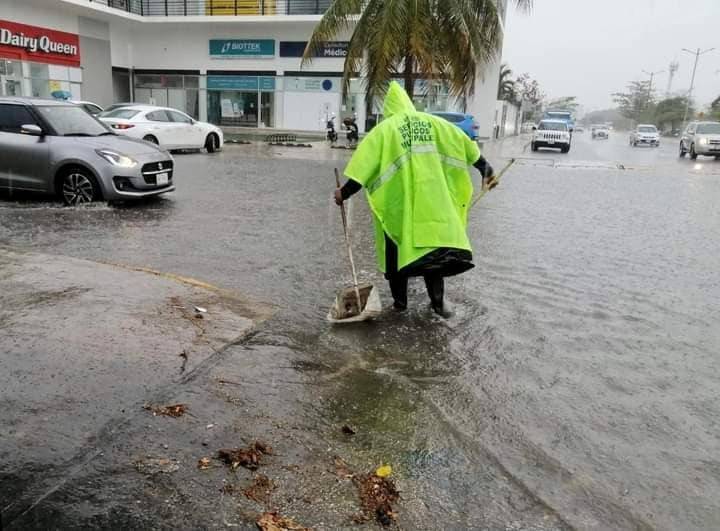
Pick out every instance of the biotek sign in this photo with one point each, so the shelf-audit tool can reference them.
(31, 43)
(242, 48)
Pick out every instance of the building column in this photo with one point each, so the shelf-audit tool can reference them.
(202, 96)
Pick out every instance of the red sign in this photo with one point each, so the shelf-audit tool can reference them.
(42, 45)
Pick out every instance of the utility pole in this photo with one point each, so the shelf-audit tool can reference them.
(674, 65)
(697, 55)
(652, 75)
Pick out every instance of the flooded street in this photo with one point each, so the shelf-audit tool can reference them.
(577, 384)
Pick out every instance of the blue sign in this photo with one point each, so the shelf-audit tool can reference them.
(334, 49)
(244, 83)
(242, 48)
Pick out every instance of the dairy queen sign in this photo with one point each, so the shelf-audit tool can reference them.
(42, 45)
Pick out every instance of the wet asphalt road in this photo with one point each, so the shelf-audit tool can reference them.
(580, 365)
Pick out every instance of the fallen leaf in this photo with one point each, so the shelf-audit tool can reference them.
(249, 457)
(175, 410)
(274, 522)
(347, 430)
(260, 490)
(384, 471)
(203, 463)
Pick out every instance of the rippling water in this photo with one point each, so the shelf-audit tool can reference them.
(579, 371)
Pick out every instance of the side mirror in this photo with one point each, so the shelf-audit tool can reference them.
(534, 127)
(31, 129)
(572, 129)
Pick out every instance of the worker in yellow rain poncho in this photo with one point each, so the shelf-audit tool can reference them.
(415, 169)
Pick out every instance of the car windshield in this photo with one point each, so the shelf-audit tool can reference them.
(711, 129)
(69, 120)
(647, 129)
(552, 126)
(124, 114)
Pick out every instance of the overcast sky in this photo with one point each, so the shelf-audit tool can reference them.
(591, 48)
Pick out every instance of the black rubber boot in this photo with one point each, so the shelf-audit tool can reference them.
(398, 288)
(436, 291)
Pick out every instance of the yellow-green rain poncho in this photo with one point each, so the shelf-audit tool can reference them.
(415, 170)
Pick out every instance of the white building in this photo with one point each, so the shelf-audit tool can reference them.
(230, 62)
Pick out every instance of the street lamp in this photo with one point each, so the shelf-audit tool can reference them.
(697, 53)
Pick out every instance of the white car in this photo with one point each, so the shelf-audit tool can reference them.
(168, 128)
(551, 134)
(645, 134)
(600, 131)
(92, 108)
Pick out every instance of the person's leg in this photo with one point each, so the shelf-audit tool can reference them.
(435, 285)
(398, 287)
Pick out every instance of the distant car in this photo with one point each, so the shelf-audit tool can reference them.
(464, 121)
(168, 128)
(600, 132)
(645, 135)
(701, 138)
(551, 134)
(56, 147)
(92, 108)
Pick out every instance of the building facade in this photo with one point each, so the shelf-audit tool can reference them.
(235, 63)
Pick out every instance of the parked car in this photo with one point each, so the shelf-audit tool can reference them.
(168, 128)
(55, 147)
(600, 132)
(114, 106)
(645, 135)
(92, 108)
(551, 134)
(464, 121)
(701, 138)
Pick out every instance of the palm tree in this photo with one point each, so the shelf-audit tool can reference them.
(415, 39)
(506, 86)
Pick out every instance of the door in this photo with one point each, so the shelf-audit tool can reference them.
(164, 129)
(190, 135)
(24, 159)
(689, 136)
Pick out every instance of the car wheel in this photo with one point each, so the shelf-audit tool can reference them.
(565, 149)
(533, 146)
(693, 154)
(151, 139)
(211, 143)
(682, 150)
(78, 186)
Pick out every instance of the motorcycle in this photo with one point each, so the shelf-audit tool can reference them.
(332, 135)
(353, 132)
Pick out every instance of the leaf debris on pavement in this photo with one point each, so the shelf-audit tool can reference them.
(272, 521)
(260, 489)
(203, 463)
(377, 496)
(175, 410)
(347, 430)
(249, 457)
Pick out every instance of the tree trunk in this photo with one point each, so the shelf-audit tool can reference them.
(408, 74)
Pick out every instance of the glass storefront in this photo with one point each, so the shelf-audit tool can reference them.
(241, 101)
(23, 78)
(179, 91)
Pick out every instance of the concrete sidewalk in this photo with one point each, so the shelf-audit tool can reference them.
(84, 346)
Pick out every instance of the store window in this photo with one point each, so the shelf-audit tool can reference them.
(241, 101)
(179, 91)
(23, 78)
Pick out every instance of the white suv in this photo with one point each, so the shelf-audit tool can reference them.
(701, 138)
(551, 134)
(645, 134)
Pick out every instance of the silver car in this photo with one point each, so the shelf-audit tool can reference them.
(55, 147)
(701, 138)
